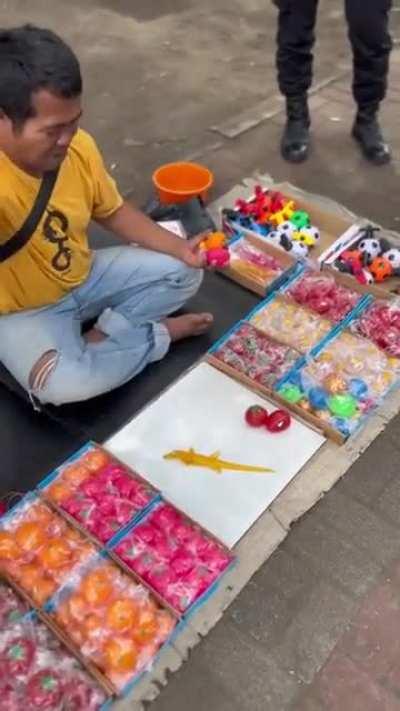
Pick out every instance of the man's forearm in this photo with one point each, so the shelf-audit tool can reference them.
(132, 226)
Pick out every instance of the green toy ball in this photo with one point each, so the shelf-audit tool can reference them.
(344, 406)
(291, 393)
(300, 219)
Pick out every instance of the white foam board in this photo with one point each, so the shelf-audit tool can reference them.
(204, 410)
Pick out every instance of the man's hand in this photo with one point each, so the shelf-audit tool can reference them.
(191, 254)
(134, 227)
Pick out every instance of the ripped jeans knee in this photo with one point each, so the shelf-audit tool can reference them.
(41, 372)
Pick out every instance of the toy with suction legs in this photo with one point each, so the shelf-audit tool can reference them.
(216, 252)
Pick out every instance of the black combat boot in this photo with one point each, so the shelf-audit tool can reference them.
(368, 134)
(296, 136)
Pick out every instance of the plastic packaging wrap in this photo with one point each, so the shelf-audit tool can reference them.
(99, 492)
(39, 549)
(320, 293)
(115, 622)
(38, 673)
(173, 555)
(291, 324)
(254, 354)
(380, 323)
(12, 607)
(344, 383)
(252, 263)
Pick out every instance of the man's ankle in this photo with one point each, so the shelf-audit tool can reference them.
(94, 336)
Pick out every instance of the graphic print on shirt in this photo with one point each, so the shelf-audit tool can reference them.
(55, 230)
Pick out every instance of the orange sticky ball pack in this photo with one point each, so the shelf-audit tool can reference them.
(116, 623)
(75, 473)
(99, 492)
(38, 549)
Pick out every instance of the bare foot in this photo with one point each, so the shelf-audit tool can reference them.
(94, 336)
(188, 325)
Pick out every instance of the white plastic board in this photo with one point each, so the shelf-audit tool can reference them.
(204, 410)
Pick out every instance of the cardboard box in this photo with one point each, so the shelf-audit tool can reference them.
(43, 617)
(330, 225)
(306, 417)
(68, 590)
(386, 289)
(286, 261)
(50, 478)
(138, 578)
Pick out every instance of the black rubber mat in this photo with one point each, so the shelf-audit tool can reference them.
(32, 443)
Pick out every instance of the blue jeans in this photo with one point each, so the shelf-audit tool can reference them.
(129, 291)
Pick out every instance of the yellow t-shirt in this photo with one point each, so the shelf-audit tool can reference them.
(57, 258)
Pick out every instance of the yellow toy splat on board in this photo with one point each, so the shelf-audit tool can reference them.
(191, 458)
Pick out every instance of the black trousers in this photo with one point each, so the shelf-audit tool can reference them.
(367, 21)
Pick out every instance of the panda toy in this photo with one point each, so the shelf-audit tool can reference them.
(308, 235)
(287, 228)
(278, 239)
(370, 248)
(393, 256)
(299, 249)
(273, 236)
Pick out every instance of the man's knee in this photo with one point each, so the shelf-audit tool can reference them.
(192, 279)
(47, 385)
(41, 371)
(183, 276)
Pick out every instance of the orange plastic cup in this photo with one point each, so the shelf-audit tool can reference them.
(178, 182)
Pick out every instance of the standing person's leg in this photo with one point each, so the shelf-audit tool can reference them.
(294, 59)
(132, 291)
(368, 22)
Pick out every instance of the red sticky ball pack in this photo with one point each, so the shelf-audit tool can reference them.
(115, 622)
(38, 674)
(253, 353)
(38, 549)
(323, 295)
(174, 556)
(99, 492)
(380, 323)
(12, 607)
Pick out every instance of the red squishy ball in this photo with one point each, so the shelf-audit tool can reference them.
(256, 416)
(44, 690)
(18, 656)
(278, 421)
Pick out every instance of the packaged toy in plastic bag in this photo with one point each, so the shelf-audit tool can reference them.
(323, 295)
(99, 492)
(344, 383)
(39, 549)
(380, 323)
(38, 673)
(12, 607)
(253, 263)
(116, 623)
(254, 354)
(291, 324)
(173, 555)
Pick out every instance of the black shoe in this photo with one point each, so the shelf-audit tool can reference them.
(368, 134)
(295, 142)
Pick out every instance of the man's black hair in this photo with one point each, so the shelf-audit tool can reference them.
(31, 59)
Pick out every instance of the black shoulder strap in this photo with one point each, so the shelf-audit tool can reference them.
(22, 237)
